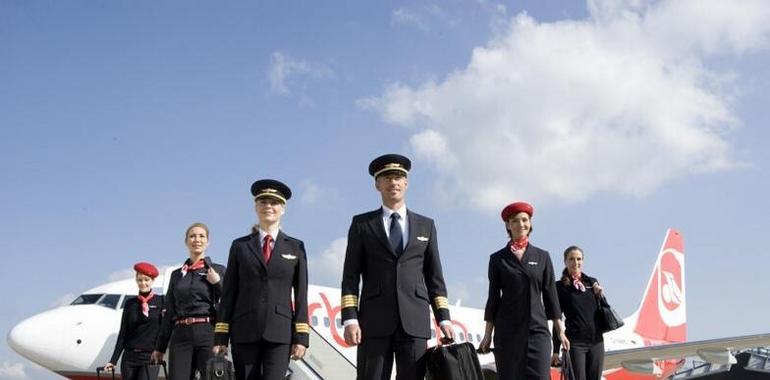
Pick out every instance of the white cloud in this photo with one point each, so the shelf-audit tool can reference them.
(13, 371)
(422, 17)
(470, 293)
(287, 74)
(326, 269)
(405, 15)
(622, 102)
(311, 192)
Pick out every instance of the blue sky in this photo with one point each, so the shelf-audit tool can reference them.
(123, 122)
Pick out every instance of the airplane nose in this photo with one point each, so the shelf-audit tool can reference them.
(35, 338)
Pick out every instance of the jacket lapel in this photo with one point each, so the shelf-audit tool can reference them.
(415, 225)
(375, 223)
(256, 248)
(280, 243)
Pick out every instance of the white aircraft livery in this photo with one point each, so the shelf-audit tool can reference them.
(74, 340)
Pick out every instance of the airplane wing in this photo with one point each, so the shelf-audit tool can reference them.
(713, 351)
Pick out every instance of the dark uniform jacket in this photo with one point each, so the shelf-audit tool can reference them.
(138, 332)
(395, 288)
(190, 295)
(256, 300)
(580, 312)
(515, 305)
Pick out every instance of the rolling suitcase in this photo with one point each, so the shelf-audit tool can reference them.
(453, 362)
(99, 371)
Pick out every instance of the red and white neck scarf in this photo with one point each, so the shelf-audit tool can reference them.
(576, 281)
(189, 268)
(145, 300)
(518, 246)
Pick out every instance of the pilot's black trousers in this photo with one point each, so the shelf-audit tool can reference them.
(587, 360)
(135, 366)
(375, 356)
(190, 348)
(262, 360)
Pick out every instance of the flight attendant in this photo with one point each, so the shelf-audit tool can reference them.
(522, 298)
(139, 328)
(395, 252)
(258, 315)
(191, 298)
(578, 294)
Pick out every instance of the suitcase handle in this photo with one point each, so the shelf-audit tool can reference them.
(99, 371)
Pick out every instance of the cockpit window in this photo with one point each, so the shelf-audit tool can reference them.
(86, 299)
(110, 301)
(107, 300)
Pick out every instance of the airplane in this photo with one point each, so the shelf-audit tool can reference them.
(75, 339)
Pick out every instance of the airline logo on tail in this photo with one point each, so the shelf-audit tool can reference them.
(663, 313)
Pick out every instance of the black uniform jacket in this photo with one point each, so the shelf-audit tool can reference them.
(580, 312)
(514, 303)
(256, 300)
(138, 331)
(395, 288)
(190, 295)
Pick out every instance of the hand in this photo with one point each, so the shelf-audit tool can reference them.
(212, 276)
(598, 290)
(564, 341)
(353, 334)
(297, 351)
(219, 350)
(484, 346)
(109, 367)
(449, 333)
(555, 361)
(156, 357)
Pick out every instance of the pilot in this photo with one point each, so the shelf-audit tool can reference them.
(258, 315)
(191, 298)
(139, 328)
(522, 297)
(395, 251)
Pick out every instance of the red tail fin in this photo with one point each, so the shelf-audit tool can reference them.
(662, 315)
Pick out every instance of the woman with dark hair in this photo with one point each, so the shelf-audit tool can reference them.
(578, 294)
(139, 328)
(191, 298)
(522, 298)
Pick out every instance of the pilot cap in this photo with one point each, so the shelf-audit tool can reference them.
(389, 163)
(270, 188)
(515, 208)
(146, 269)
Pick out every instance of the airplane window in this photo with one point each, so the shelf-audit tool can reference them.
(339, 323)
(86, 299)
(470, 337)
(462, 336)
(326, 322)
(110, 301)
(478, 338)
(314, 320)
(123, 301)
(432, 333)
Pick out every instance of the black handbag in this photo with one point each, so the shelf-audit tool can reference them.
(219, 368)
(567, 372)
(608, 319)
(453, 362)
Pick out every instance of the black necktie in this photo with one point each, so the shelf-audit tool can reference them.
(396, 236)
